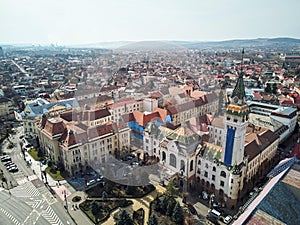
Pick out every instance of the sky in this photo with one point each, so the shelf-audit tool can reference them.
(67, 22)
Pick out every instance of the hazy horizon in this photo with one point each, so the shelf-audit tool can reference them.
(66, 22)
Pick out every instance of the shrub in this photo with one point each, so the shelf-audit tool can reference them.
(76, 199)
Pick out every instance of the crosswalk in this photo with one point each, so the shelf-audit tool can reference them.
(11, 217)
(51, 217)
(25, 190)
(25, 179)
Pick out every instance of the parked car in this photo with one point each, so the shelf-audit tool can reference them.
(91, 182)
(134, 163)
(227, 219)
(13, 169)
(5, 158)
(192, 209)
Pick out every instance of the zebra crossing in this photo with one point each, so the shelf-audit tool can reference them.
(26, 179)
(12, 218)
(51, 216)
(25, 190)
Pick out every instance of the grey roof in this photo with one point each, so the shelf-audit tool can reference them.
(41, 106)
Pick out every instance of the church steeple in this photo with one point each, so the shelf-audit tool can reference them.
(239, 90)
(238, 95)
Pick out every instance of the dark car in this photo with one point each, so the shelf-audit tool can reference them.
(192, 209)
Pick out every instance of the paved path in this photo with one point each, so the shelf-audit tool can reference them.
(138, 203)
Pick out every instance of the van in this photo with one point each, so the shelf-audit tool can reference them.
(215, 213)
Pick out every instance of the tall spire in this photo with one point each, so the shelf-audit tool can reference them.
(239, 89)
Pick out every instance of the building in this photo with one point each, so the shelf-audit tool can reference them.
(230, 165)
(6, 108)
(34, 110)
(76, 146)
(279, 119)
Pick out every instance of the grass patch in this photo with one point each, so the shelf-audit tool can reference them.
(54, 173)
(34, 154)
(115, 190)
(105, 207)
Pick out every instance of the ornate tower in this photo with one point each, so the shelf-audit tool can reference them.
(236, 121)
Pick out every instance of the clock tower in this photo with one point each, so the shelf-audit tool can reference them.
(236, 121)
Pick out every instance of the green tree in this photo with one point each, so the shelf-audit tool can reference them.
(95, 209)
(171, 190)
(124, 219)
(152, 220)
(164, 205)
(178, 215)
(156, 204)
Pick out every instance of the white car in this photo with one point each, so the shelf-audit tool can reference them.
(91, 182)
(227, 219)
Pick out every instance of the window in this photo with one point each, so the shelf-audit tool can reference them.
(223, 174)
(147, 140)
(222, 183)
(213, 177)
(206, 165)
(192, 165)
(182, 165)
(205, 174)
(173, 160)
(199, 162)
(232, 181)
(214, 169)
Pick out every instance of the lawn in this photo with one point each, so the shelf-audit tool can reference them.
(115, 190)
(55, 174)
(34, 154)
(104, 208)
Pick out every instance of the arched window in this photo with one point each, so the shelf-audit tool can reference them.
(214, 169)
(199, 162)
(182, 165)
(223, 174)
(173, 160)
(192, 165)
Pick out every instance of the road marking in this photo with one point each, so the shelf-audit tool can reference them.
(11, 217)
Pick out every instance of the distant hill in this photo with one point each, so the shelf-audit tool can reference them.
(167, 45)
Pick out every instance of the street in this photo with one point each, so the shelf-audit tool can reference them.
(25, 198)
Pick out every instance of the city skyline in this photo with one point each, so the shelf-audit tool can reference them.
(74, 22)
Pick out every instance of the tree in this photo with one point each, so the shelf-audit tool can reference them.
(178, 215)
(124, 219)
(156, 204)
(104, 195)
(95, 209)
(171, 190)
(164, 205)
(152, 220)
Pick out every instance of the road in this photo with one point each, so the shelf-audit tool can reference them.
(28, 194)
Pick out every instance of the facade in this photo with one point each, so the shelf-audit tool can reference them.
(118, 109)
(34, 110)
(76, 146)
(230, 165)
(282, 120)
(6, 108)
(182, 112)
